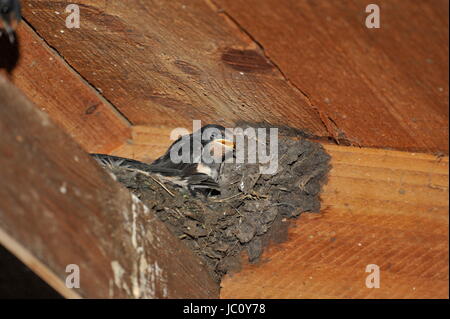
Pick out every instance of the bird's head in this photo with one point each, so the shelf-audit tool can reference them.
(217, 140)
(9, 16)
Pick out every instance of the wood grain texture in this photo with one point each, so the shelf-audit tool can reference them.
(382, 207)
(164, 63)
(146, 143)
(379, 207)
(58, 207)
(385, 87)
(169, 62)
(59, 91)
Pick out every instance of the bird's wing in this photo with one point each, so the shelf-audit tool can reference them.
(117, 161)
(199, 180)
(183, 174)
(187, 172)
(167, 172)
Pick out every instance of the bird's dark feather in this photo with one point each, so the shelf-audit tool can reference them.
(186, 174)
(183, 171)
(121, 161)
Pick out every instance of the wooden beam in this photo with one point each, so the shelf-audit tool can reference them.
(384, 207)
(55, 88)
(58, 207)
(321, 69)
(164, 63)
(147, 143)
(375, 87)
(379, 207)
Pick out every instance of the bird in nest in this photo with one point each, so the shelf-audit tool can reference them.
(9, 17)
(193, 162)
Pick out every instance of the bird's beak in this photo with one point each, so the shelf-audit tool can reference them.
(227, 143)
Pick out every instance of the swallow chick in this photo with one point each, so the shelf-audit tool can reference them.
(9, 17)
(195, 161)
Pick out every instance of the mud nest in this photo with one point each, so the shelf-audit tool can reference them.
(252, 209)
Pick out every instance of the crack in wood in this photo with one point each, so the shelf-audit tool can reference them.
(336, 134)
(55, 52)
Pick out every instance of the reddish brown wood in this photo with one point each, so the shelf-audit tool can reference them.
(169, 62)
(384, 87)
(58, 207)
(147, 143)
(59, 91)
(166, 62)
(384, 207)
(379, 207)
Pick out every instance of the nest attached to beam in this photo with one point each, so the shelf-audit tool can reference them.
(252, 210)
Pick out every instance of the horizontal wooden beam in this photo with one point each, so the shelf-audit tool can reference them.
(58, 207)
(380, 207)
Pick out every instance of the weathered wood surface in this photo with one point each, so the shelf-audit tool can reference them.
(58, 90)
(146, 143)
(58, 207)
(385, 87)
(380, 207)
(164, 63)
(169, 62)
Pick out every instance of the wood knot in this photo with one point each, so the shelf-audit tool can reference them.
(245, 60)
(91, 109)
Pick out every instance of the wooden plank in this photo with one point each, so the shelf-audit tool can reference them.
(379, 207)
(385, 87)
(382, 207)
(164, 63)
(146, 144)
(58, 207)
(59, 91)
